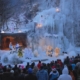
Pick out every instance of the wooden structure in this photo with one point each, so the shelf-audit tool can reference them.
(6, 38)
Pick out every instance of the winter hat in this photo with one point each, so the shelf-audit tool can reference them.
(65, 70)
(30, 70)
(12, 71)
(21, 66)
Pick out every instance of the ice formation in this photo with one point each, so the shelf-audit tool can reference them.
(47, 31)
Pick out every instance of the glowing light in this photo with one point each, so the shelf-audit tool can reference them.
(49, 50)
(39, 25)
(57, 51)
(57, 10)
(2, 32)
(19, 31)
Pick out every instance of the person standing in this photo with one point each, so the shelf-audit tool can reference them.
(39, 64)
(65, 75)
(10, 47)
(42, 74)
(17, 46)
(30, 75)
(54, 74)
(20, 54)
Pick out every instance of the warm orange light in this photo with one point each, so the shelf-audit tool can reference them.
(49, 50)
(39, 25)
(57, 51)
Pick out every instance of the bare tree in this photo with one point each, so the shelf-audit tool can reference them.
(6, 11)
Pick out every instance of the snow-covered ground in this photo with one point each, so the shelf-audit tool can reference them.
(7, 58)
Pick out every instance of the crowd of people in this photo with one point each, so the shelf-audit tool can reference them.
(55, 70)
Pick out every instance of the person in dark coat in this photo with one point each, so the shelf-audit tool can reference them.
(6, 75)
(67, 61)
(1, 74)
(12, 75)
(16, 74)
(21, 75)
(30, 75)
